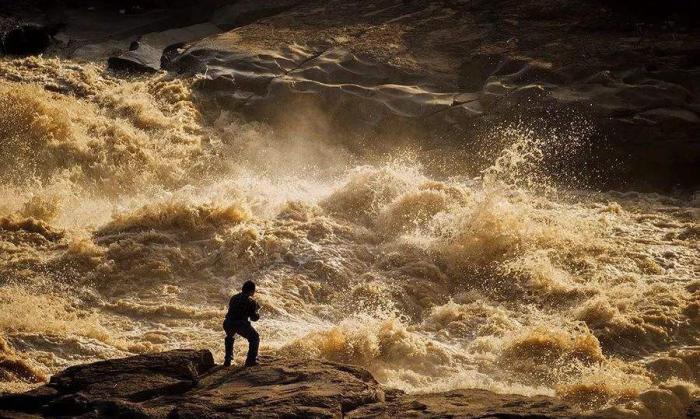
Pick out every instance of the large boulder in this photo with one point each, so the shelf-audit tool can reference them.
(281, 388)
(84, 388)
(186, 384)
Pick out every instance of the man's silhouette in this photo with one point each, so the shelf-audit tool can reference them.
(241, 309)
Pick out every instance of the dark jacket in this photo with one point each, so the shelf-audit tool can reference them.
(241, 308)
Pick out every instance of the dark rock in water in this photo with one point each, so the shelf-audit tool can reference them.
(155, 50)
(27, 39)
(186, 384)
(170, 53)
(141, 58)
(381, 72)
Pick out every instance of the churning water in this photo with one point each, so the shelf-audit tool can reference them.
(126, 222)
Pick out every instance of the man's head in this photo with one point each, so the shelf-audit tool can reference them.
(248, 288)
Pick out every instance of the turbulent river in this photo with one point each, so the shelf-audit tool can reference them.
(127, 219)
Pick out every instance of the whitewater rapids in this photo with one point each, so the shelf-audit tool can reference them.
(128, 218)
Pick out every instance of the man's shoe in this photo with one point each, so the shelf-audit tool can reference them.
(227, 363)
(251, 363)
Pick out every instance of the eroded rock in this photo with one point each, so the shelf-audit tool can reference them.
(394, 69)
(186, 384)
(140, 58)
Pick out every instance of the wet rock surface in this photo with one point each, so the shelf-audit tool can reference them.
(443, 69)
(186, 384)
(139, 58)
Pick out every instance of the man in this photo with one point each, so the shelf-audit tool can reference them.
(241, 309)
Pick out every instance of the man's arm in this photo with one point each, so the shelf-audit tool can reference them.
(254, 316)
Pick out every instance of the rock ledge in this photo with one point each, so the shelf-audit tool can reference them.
(187, 384)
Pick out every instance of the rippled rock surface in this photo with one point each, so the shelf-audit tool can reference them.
(443, 70)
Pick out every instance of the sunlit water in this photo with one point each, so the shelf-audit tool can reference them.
(126, 222)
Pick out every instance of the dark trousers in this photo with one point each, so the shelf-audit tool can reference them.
(245, 329)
